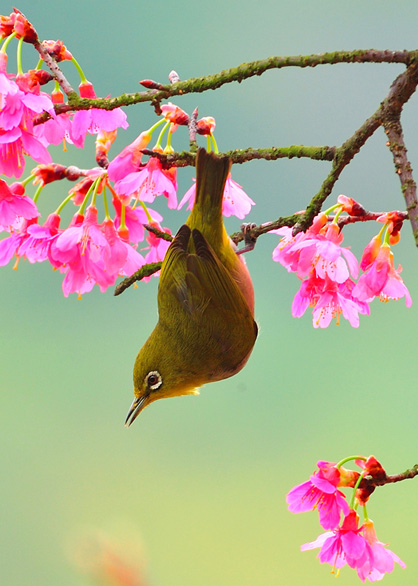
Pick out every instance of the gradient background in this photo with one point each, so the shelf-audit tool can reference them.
(200, 482)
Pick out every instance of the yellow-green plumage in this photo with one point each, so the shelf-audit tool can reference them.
(206, 329)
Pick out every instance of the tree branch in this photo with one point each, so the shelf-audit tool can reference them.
(369, 484)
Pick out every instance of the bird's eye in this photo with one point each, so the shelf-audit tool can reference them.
(153, 380)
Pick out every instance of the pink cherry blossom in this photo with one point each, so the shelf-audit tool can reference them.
(287, 252)
(380, 560)
(320, 492)
(382, 279)
(91, 121)
(343, 545)
(36, 247)
(7, 85)
(321, 252)
(58, 128)
(150, 182)
(19, 108)
(80, 250)
(9, 247)
(134, 220)
(120, 258)
(14, 144)
(329, 300)
(14, 205)
(129, 159)
(235, 201)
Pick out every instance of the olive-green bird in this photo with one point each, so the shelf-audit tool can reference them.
(206, 330)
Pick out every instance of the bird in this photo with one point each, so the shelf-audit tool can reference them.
(206, 328)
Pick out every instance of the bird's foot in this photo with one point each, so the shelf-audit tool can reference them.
(249, 238)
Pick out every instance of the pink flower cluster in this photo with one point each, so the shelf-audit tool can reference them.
(22, 102)
(89, 250)
(347, 543)
(327, 271)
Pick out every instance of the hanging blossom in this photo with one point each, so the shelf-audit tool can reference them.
(380, 278)
(91, 254)
(15, 205)
(129, 159)
(235, 201)
(320, 492)
(349, 543)
(147, 184)
(358, 547)
(95, 119)
(325, 269)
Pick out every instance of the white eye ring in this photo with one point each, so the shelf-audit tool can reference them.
(153, 380)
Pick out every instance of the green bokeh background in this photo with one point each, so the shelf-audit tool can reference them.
(200, 482)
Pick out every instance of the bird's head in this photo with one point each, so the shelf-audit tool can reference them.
(159, 373)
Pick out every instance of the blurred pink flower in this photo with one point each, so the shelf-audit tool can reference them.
(129, 159)
(14, 205)
(379, 561)
(235, 201)
(9, 247)
(14, 144)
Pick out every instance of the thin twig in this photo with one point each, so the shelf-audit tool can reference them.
(145, 271)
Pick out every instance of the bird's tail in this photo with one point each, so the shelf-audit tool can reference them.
(211, 174)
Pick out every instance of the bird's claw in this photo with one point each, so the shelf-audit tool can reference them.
(249, 238)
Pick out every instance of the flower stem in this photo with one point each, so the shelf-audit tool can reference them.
(64, 203)
(107, 215)
(19, 56)
(341, 462)
(83, 78)
(366, 516)
(357, 484)
(156, 125)
(7, 41)
(215, 146)
(122, 216)
(96, 184)
(27, 180)
(332, 208)
(160, 136)
(37, 193)
(144, 207)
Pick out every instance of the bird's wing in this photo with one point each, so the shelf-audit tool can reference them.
(196, 279)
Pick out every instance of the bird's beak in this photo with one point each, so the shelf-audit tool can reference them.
(135, 409)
